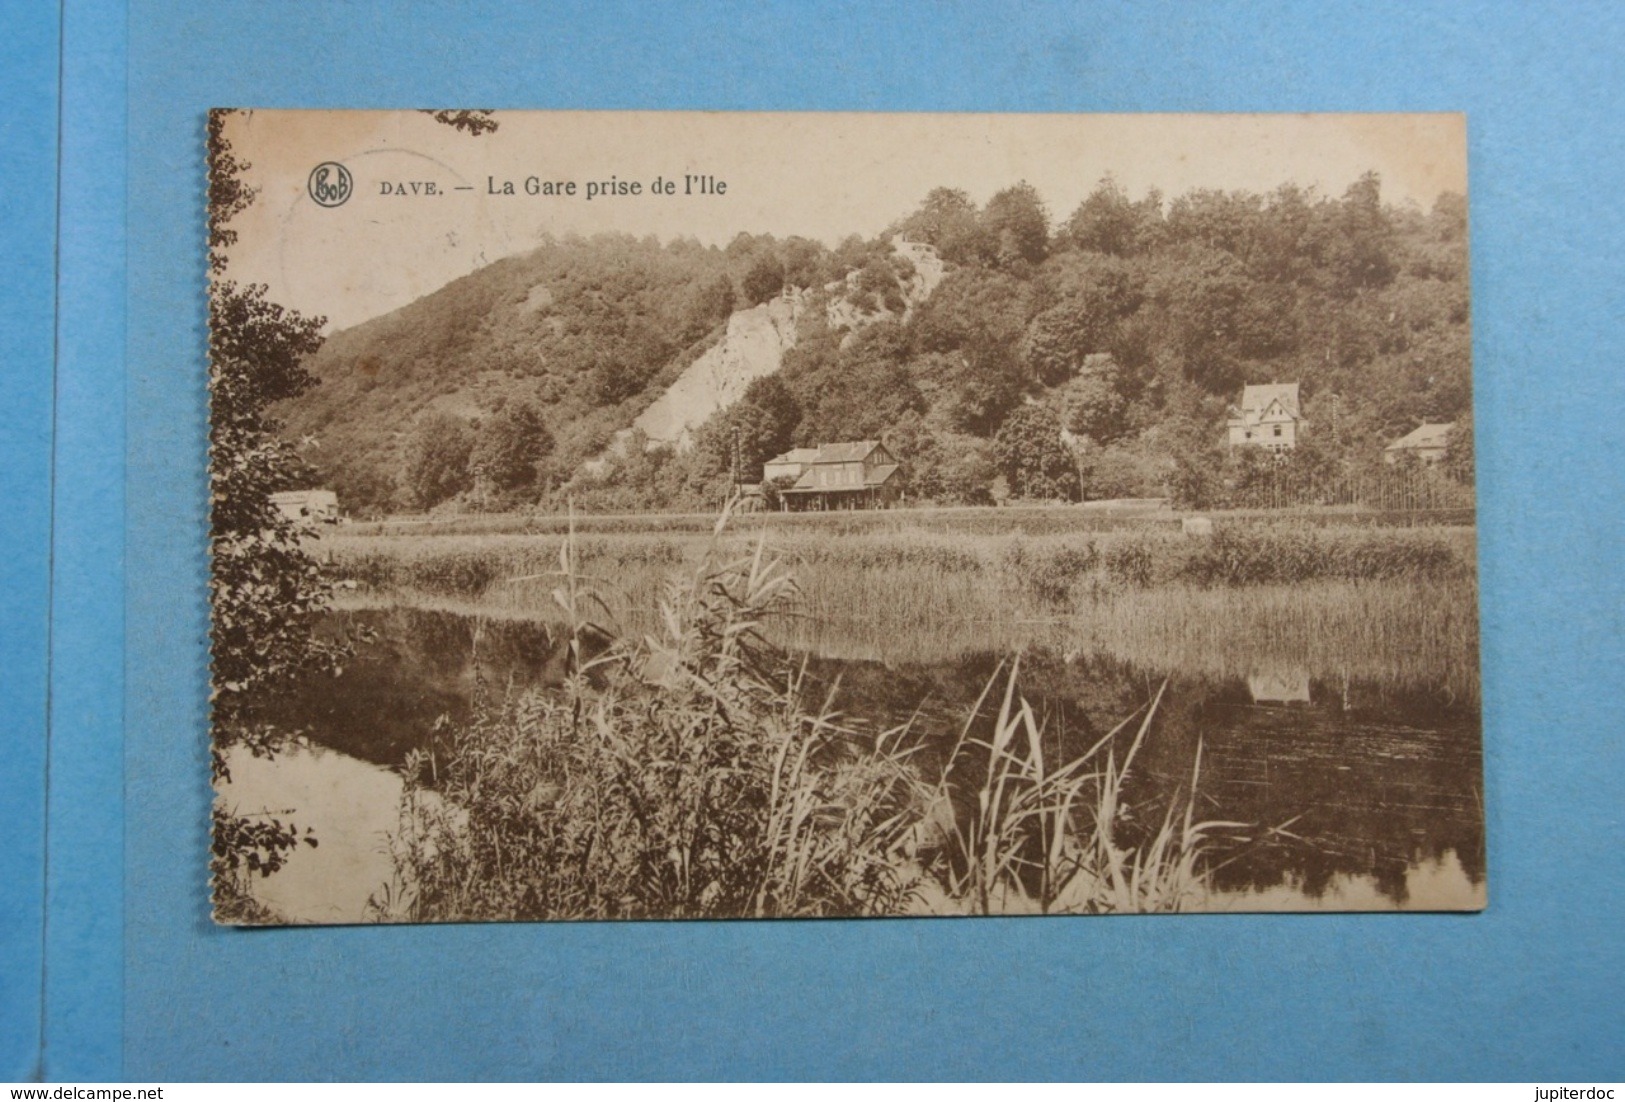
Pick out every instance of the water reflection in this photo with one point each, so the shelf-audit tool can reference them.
(1341, 780)
(1279, 686)
(351, 805)
(1374, 788)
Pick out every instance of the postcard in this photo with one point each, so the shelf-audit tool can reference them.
(679, 515)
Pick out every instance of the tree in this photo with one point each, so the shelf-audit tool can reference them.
(1194, 483)
(437, 460)
(1109, 222)
(972, 309)
(1093, 295)
(1201, 297)
(762, 424)
(864, 393)
(266, 589)
(1029, 453)
(952, 469)
(768, 417)
(1017, 225)
(712, 305)
(763, 280)
(947, 221)
(510, 445)
(1116, 472)
(773, 491)
(877, 287)
(1360, 256)
(804, 262)
(1095, 406)
(228, 195)
(1459, 460)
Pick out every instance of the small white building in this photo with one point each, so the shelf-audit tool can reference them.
(1279, 686)
(308, 506)
(1269, 417)
(1428, 443)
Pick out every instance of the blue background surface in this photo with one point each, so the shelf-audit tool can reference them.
(141, 986)
(28, 132)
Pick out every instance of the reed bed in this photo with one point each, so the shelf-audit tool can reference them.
(1051, 566)
(1406, 634)
(1398, 605)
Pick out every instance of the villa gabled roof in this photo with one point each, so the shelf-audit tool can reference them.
(1256, 399)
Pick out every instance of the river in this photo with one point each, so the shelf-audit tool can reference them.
(1359, 795)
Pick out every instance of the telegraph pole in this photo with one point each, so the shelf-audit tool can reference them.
(736, 457)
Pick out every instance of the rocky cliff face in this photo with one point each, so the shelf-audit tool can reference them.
(844, 313)
(754, 345)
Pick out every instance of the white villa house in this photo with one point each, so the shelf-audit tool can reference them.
(1269, 417)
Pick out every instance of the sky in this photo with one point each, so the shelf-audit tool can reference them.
(823, 176)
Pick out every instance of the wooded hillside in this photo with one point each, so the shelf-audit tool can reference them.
(1093, 355)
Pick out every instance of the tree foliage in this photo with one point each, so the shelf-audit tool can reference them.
(1135, 323)
(948, 221)
(1093, 402)
(1459, 459)
(438, 461)
(1016, 226)
(764, 279)
(266, 589)
(1109, 223)
(1030, 455)
(229, 196)
(509, 447)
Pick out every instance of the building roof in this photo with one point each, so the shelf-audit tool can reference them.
(1256, 399)
(874, 476)
(853, 452)
(850, 452)
(1424, 436)
(795, 455)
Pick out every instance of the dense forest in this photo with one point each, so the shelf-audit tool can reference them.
(1088, 357)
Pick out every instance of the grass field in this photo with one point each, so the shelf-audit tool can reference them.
(958, 520)
(1397, 604)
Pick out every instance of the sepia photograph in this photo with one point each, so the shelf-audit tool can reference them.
(681, 515)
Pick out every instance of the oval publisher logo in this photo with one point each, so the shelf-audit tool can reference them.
(330, 184)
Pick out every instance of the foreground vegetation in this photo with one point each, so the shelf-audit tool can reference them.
(692, 772)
